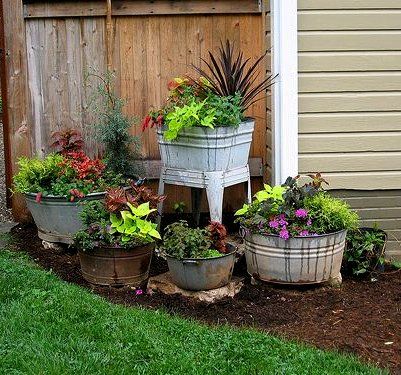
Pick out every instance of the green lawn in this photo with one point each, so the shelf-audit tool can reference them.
(50, 327)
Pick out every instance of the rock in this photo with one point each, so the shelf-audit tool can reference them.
(164, 284)
(335, 282)
(52, 246)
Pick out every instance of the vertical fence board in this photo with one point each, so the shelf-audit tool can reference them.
(18, 120)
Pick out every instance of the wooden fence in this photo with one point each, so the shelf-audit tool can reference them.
(50, 45)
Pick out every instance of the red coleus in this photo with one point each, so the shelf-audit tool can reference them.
(218, 235)
(151, 121)
(75, 193)
(67, 140)
(85, 167)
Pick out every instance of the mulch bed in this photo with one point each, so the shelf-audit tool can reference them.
(362, 318)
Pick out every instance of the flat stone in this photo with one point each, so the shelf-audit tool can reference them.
(164, 284)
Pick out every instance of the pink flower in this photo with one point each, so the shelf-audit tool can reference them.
(309, 222)
(301, 213)
(138, 292)
(304, 233)
(284, 234)
(273, 224)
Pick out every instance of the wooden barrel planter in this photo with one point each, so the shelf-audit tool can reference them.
(57, 218)
(203, 149)
(115, 266)
(298, 260)
(202, 273)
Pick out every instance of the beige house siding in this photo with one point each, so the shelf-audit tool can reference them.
(350, 104)
(350, 91)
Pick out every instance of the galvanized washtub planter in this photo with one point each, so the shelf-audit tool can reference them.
(199, 148)
(58, 219)
(202, 273)
(300, 260)
(117, 266)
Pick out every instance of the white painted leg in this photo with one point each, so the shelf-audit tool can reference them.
(215, 192)
(249, 190)
(160, 192)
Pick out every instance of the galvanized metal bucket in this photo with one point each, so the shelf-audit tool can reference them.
(203, 149)
(300, 260)
(56, 218)
(117, 266)
(202, 273)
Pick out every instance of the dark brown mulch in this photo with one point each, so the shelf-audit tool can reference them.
(363, 317)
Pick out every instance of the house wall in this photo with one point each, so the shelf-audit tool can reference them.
(350, 104)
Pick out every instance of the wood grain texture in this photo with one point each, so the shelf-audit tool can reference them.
(18, 117)
(147, 52)
(140, 8)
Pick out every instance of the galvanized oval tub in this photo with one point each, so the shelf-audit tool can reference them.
(201, 148)
(202, 273)
(300, 260)
(58, 219)
(117, 266)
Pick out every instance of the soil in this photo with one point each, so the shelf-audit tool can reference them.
(363, 317)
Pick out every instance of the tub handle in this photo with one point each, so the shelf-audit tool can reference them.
(190, 262)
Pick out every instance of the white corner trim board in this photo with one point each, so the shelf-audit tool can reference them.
(285, 91)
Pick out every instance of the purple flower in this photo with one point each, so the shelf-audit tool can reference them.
(281, 220)
(284, 234)
(309, 222)
(304, 233)
(273, 224)
(301, 213)
(138, 292)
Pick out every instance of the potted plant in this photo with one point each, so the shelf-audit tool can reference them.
(364, 251)
(198, 259)
(295, 233)
(56, 186)
(116, 244)
(203, 125)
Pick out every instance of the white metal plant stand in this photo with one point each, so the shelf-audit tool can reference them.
(213, 182)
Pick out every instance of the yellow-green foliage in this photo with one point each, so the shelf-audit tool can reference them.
(330, 214)
(36, 175)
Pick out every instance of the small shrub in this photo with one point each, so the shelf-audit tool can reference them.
(121, 149)
(365, 250)
(181, 241)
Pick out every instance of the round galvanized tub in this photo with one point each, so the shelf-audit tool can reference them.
(58, 219)
(300, 260)
(116, 266)
(204, 149)
(202, 273)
